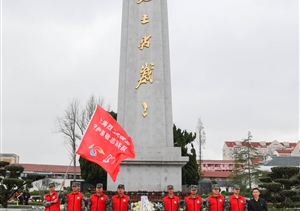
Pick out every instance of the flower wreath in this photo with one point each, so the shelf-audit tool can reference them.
(143, 205)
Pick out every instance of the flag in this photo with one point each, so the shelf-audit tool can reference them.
(106, 143)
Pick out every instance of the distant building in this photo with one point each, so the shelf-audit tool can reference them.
(217, 170)
(217, 165)
(9, 157)
(274, 161)
(230, 148)
(296, 151)
(55, 173)
(282, 161)
(280, 152)
(52, 171)
(274, 154)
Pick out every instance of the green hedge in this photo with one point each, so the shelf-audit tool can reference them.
(30, 203)
(283, 209)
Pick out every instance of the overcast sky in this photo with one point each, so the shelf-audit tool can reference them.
(235, 63)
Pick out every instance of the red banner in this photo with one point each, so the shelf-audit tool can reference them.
(106, 143)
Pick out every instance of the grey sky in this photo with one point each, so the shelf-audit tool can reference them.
(234, 63)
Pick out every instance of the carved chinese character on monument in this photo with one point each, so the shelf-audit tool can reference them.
(145, 107)
(145, 19)
(145, 42)
(146, 74)
(140, 1)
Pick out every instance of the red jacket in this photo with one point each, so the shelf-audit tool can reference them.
(192, 204)
(49, 202)
(171, 204)
(98, 203)
(215, 203)
(74, 202)
(120, 203)
(236, 204)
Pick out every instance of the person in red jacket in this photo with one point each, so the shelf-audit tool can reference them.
(120, 201)
(74, 201)
(193, 202)
(99, 201)
(171, 202)
(215, 202)
(51, 200)
(236, 201)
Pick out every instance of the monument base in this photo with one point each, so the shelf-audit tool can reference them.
(152, 169)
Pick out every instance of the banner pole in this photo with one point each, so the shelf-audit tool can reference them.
(63, 182)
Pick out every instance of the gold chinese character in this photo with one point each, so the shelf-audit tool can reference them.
(145, 42)
(145, 107)
(145, 19)
(146, 74)
(140, 1)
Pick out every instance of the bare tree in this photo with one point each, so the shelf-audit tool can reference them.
(201, 140)
(75, 121)
(43, 184)
(67, 125)
(88, 111)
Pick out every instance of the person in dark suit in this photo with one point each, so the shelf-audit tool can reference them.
(257, 203)
(26, 196)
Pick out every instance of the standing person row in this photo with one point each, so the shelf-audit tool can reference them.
(238, 202)
(74, 201)
(98, 201)
(214, 202)
(121, 202)
(23, 197)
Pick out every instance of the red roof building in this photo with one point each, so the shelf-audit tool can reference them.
(230, 148)
(217, 165)
(52, 171)
(215, 175)
(218, 170)
(283, 152)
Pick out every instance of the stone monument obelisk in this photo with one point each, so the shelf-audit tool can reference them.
(145, 103)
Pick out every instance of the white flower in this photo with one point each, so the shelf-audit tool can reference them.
(144, 204)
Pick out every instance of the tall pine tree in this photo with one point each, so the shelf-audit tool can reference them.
(190, 170)
(246, 168)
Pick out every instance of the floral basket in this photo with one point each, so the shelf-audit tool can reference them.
(143, 205)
